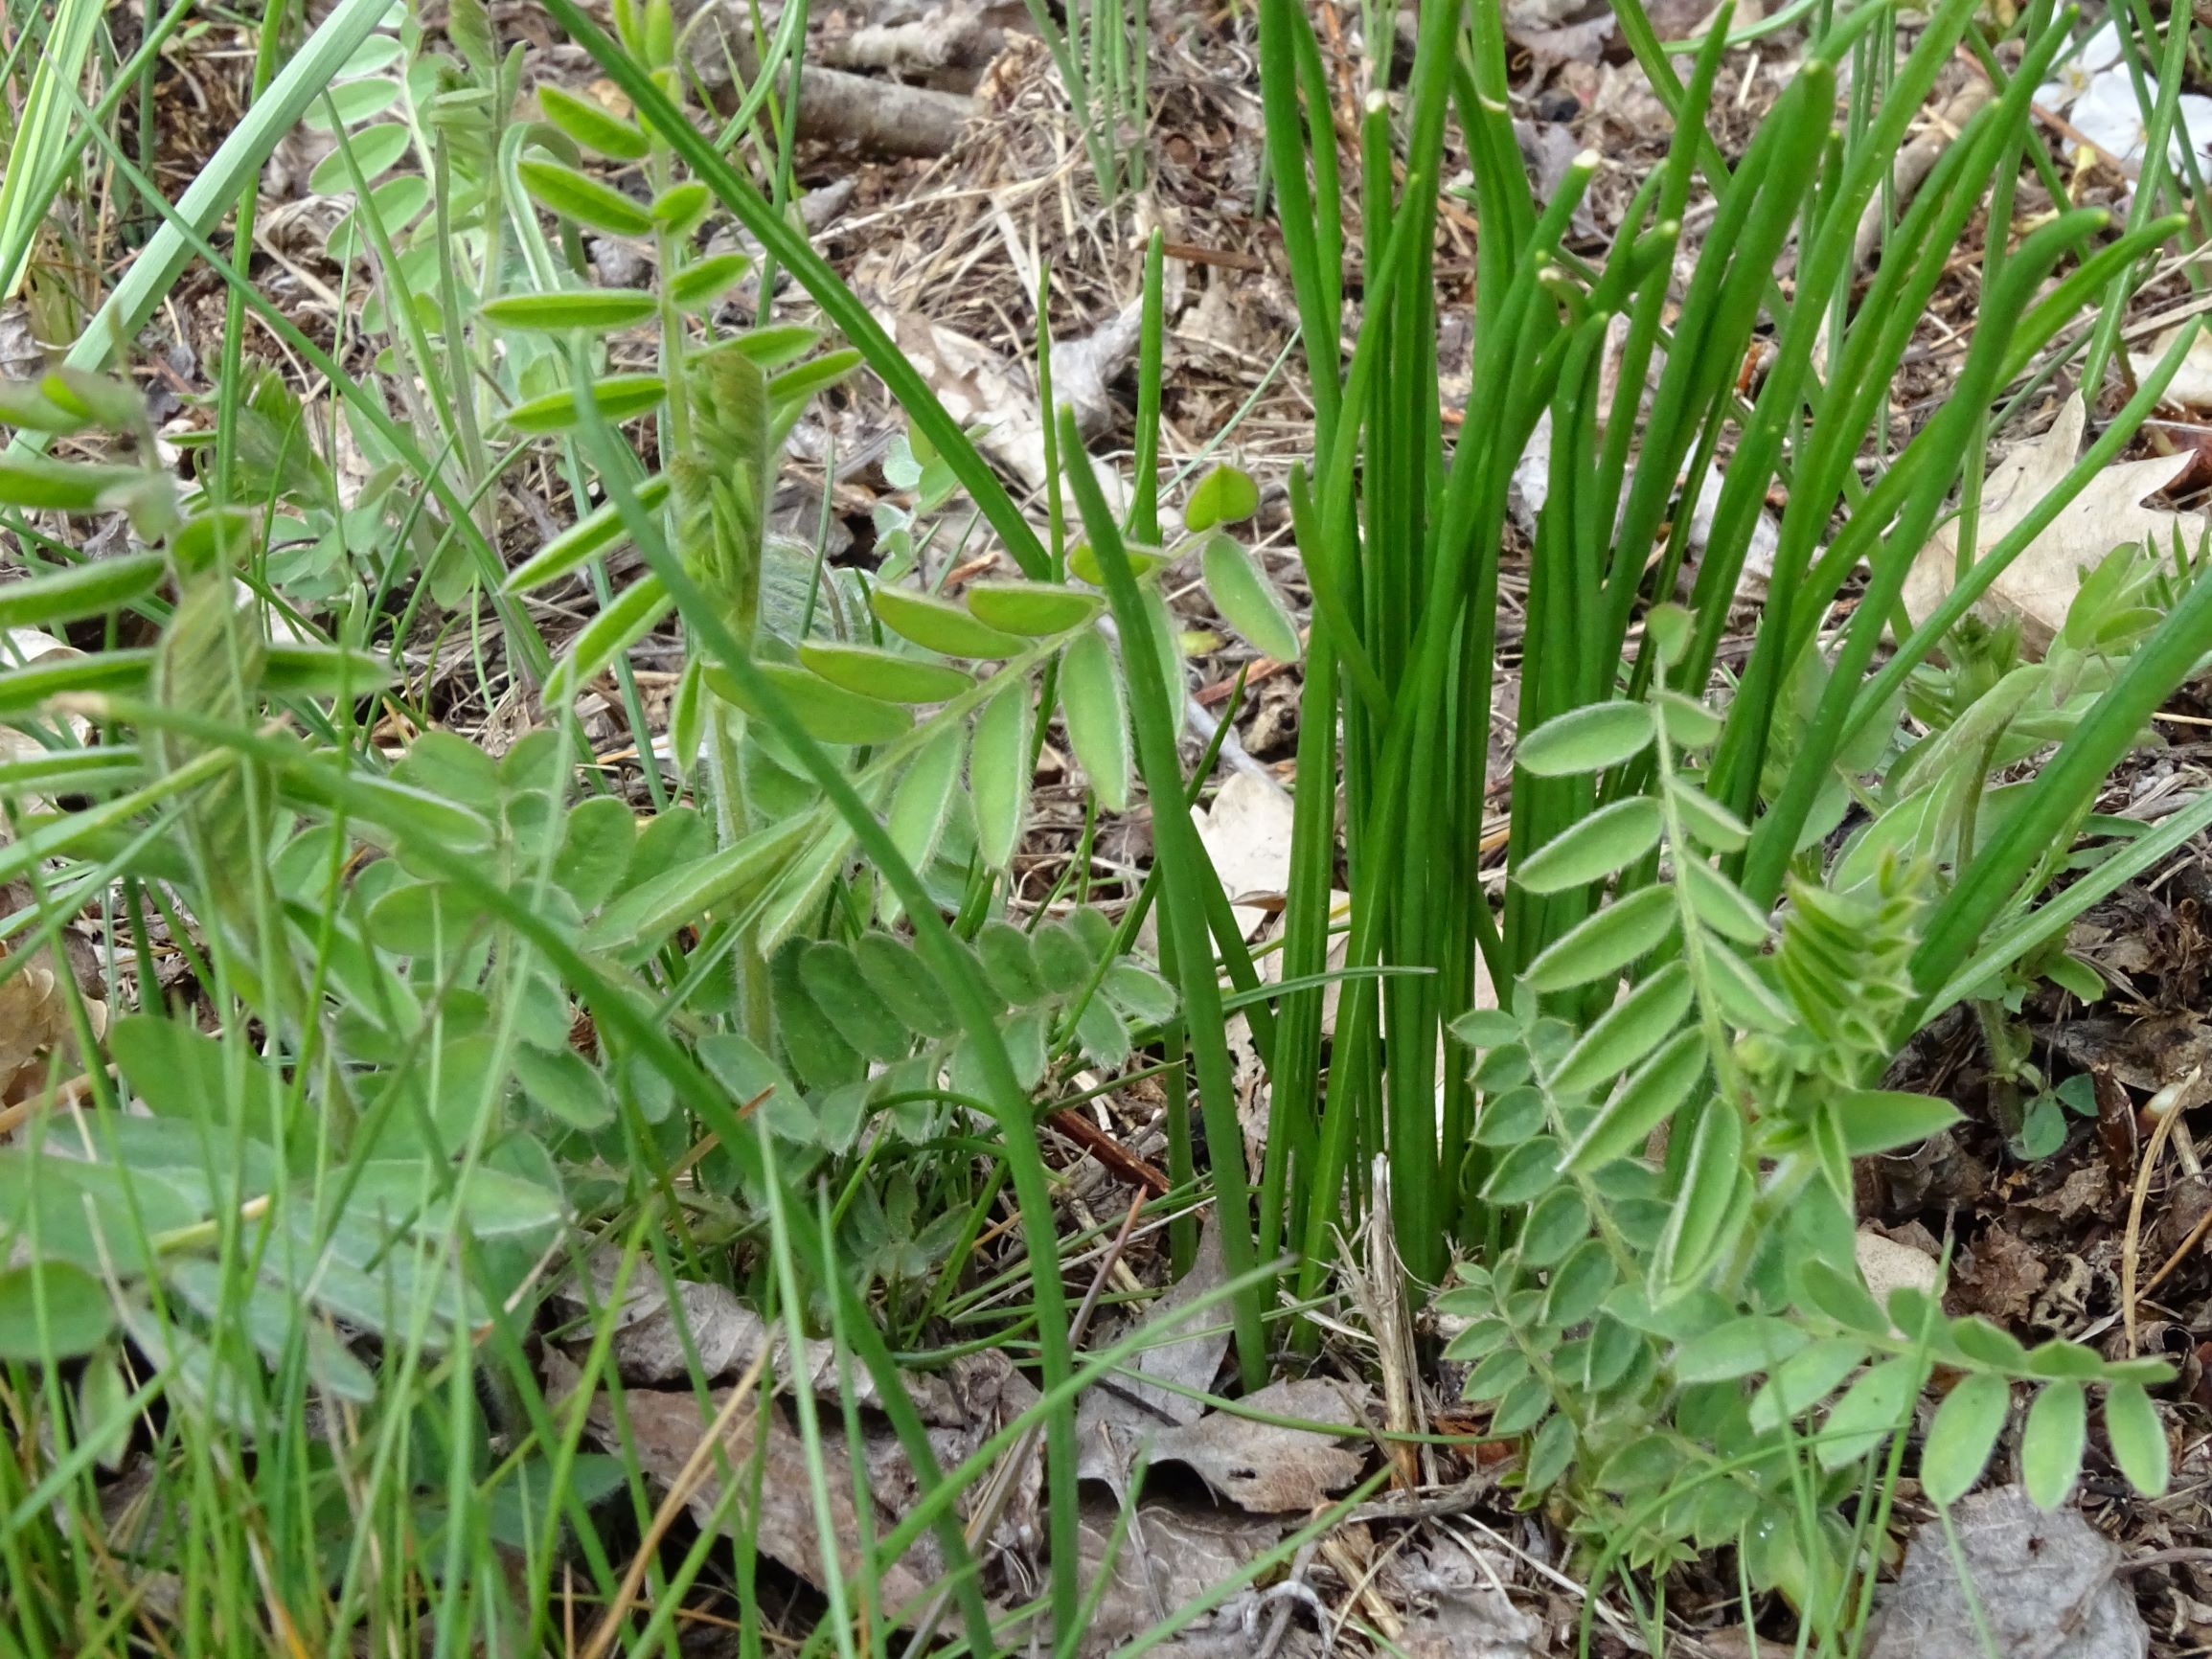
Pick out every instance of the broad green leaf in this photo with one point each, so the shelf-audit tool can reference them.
(1510, 1117)
(658, 903)
(618, 398)
(1486, 1028)
(1166, 640)
(908, 989)
(938, 624)
(1525, 1406)
(1580, 1284)
(1754, 1342)
(1610, 839)
(1559, 1222)
(1586, 739)
(829, 713)
(2052, 1442)
(579, 196)
(1745, 999)
(351, 102)
(778, 343)
(1963, 1435)
(92, 588)
(699, 284)
(998, 769)
(1225, 495)
(596, 844)
(1549, 1455)
(1706, 822)
(1104, 1036)
(565, 1086)
(1882, 1120)
(799, 889)
(1644, 1102)
(820, 1055)
(312, 671)
(1139, 992)
(2060, 1359)
(1525, 1173)
(1248, 599)
(831, 976)
(1876, 1407)
(795, 385)
(889, 676)
(1009, 963)
(1096, 706)
(1083, 564)
(924, 794)
(39, 480)
(1720, 904)
(52, 1310)
(392, 206)
(1031, 608)
(490, 1203)
(1804, 1379)
(1987, 1344)
(1689, 725)
(1840, 1294)
(682, 207)
(592, 126)
(1600, 946)
(2138, 1438)
(1501, 1372)
(1627, 1031)
(377, 151)
(592, 310)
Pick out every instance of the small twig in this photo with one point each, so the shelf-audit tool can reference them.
(2132, 1239)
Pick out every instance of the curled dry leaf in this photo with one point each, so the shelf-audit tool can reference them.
(2040, 584)
(2044, 1583)
(1263, 1466)
(1112, 1422)
(664, 1429)
(648, 1341)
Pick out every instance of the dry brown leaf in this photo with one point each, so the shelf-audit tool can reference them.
(1460, 1612)
(2192, 384)
(1262, 1466)
(664, 1430)
(2044, 1583)
(1170, 1555)
(2040, 584)
(1114, 1418)
(1246, 833)
(648, 1347)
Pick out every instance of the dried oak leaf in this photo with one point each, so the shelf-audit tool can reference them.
(1263, 1466)
(2040, 584)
